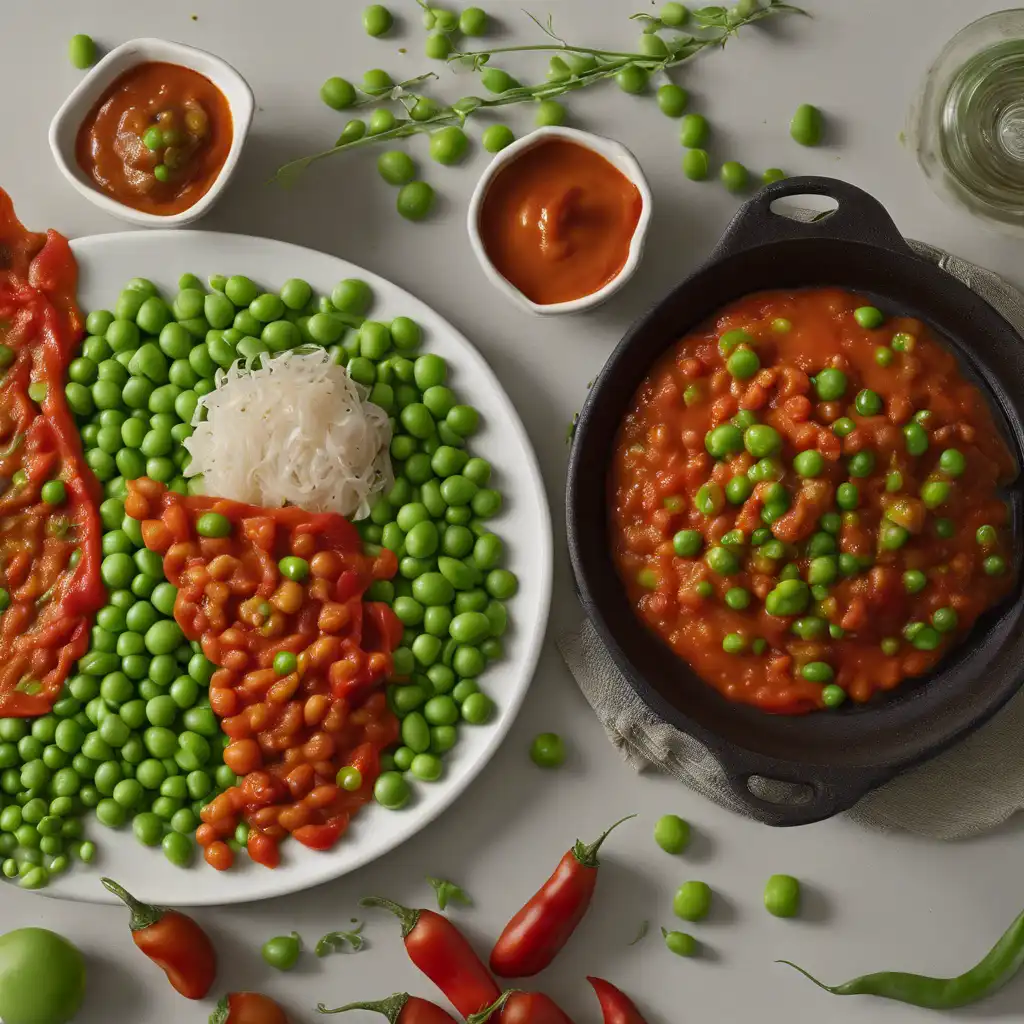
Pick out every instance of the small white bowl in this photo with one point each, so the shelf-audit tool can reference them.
(67, 121)
(619, 157)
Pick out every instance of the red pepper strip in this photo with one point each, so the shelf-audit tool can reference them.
(515, 1007)
(532, 939)
(173, 941)
(46, 628)
(616, 1006)
(442, 953)
(401, 1008)
(248, 1008)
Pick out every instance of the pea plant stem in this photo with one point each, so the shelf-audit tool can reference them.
(684, 48)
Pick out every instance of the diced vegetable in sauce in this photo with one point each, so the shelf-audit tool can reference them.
(820, 524)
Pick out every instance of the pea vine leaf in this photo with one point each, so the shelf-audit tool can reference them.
(448, 892)
(341, 941)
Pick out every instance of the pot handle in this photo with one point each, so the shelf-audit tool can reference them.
(831, 792)
(859, 218)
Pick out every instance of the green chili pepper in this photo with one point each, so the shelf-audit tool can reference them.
(989, 975)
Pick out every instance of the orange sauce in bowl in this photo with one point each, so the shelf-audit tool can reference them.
(157, 139)
(558, 221)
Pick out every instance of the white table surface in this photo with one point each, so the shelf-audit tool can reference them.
(874, 901)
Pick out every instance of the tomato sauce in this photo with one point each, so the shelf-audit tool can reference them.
(920, 537)
(557, 222)
(49, 524)
(157, 138)
(290, 731)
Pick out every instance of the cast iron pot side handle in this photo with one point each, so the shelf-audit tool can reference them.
(830, 794)
(859, 218)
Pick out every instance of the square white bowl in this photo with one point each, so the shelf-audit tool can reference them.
(67, 121)
(620, 158)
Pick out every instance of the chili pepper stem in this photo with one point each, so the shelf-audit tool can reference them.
(406, 915)
(587, 855)
(390, 1007)
(221, 1011)
(495, 1008)
(143, 914)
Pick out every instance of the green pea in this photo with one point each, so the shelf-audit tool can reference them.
(632, 79)
(860, 465)
(743, 363)
(496, 137)
(789, 597)
(952, 462)
(473, 22)
(817, 672)
(693, 131)
(82, 51)
(869, 317)
(692, 901)
(391, 790)
(734, 643)
(830, 384)
(986, 536)
(688, 543)
(807, 125)
(415, 200)
(994, 565)
(672, 100)
(338, 94)
(722, 561)
(892, 536)
(761, 440)
(477, 708)
(723, 440)
(782, 896)
(935, 493)
(868, 403)
(696, 166)
(709, 499)
(734, 176)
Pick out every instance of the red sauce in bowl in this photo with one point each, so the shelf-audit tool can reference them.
(557, 221)
(157, 139)
(890, 546)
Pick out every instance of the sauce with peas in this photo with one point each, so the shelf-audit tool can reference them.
(49, 525)
(805, 501)
(157, 138)
(558, 221)
(275, 597)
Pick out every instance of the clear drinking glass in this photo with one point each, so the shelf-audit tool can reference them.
(966, 126)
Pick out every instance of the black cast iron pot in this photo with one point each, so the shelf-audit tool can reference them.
(838, 756)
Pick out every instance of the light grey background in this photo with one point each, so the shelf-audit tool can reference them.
(872, 901)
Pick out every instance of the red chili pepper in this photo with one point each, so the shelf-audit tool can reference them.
(401, 1008)
(516, 1007)
(532, 939)
(248, 1008)
(616, 1006)
(442, 953)
(174, 942)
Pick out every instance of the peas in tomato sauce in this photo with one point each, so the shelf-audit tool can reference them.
(835, 525)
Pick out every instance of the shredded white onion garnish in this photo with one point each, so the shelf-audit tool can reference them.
(295, 431)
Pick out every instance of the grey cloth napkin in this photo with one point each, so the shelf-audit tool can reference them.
(968, 790)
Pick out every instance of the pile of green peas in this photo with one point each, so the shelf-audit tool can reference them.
(132, 736)
(452, 586)
(448, 144)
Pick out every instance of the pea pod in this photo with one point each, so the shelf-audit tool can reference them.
(991, 973)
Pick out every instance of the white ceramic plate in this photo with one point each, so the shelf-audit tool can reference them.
(107, 262)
